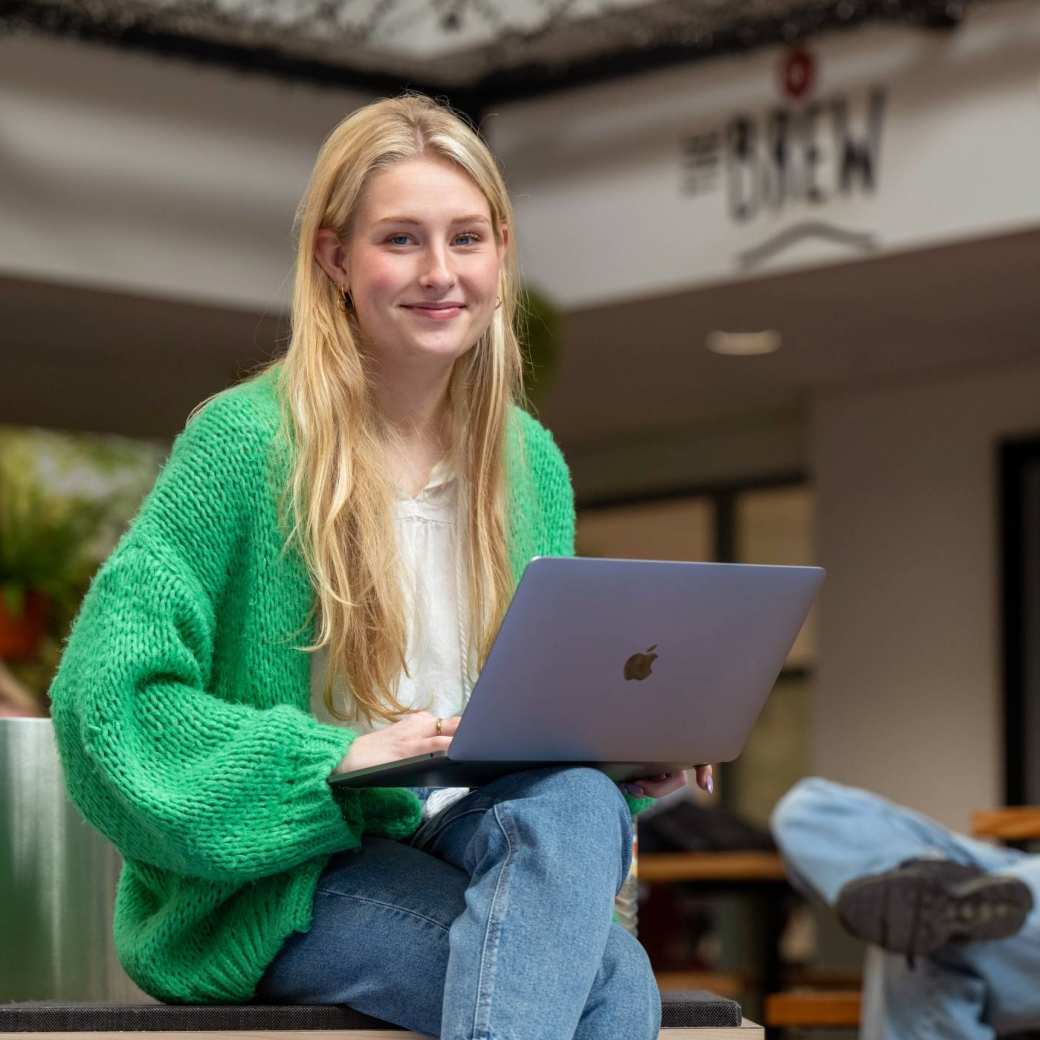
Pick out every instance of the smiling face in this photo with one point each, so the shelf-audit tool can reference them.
(422, 235)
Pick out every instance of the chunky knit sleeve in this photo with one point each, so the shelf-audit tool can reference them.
(558, 502)
(171, 774)
(542, 497)
(228, 786)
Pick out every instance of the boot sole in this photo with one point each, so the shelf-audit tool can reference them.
(882, 910)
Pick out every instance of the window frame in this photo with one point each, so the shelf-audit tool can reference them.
(1015, 456)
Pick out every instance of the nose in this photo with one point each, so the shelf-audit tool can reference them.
(437, 273)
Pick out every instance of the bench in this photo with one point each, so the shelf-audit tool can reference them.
(692, 1015)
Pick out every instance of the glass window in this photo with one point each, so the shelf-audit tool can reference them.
(669, 529)
(774, 525)
(777, 753)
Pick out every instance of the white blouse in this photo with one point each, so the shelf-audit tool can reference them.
(438, 681)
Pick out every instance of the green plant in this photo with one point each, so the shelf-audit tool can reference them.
(540, 331)
(42, 541)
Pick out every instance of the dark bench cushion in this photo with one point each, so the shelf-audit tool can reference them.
(697, 1007)
(690, 1008)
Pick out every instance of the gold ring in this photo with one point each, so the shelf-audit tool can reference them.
(439, 727)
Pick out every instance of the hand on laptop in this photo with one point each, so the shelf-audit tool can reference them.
(416, 734)
(665, 783)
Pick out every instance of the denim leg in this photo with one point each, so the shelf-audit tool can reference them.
(1010, 967)
(378, 941)
(624, 1000)
(931, 1001)
(830, 834)
(535, 952)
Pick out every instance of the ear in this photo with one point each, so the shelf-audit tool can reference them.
(330, 254)
(503, 232)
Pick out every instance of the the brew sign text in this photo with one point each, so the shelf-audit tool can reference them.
(795, 153)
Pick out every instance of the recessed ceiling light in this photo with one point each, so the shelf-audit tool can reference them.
(743, 344)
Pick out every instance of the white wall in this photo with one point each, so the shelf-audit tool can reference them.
(908, 697)
(134, 172)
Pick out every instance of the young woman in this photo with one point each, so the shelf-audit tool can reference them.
(377, 490)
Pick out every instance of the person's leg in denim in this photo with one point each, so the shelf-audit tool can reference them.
(830, 834)
(494, 921)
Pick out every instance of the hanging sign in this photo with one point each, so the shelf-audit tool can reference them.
(881, 139)
(806, 150)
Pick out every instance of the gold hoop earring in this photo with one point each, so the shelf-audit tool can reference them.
(346, 300)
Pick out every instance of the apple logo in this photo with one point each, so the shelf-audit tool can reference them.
(639, 666)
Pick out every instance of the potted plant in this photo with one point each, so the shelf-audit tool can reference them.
(43, 566)
(540, 331)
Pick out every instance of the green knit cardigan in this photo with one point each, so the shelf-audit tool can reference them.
(182, 710)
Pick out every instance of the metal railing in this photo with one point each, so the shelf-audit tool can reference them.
(57, 881)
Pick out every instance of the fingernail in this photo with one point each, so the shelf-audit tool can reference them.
(711, 785)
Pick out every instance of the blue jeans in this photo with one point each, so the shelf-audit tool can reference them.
(494, 921)
(829, 834)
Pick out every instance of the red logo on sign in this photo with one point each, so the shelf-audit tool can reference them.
(798, 73)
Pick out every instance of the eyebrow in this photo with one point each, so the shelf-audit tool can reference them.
(472, 218)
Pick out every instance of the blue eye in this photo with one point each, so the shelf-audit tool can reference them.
(462, 234)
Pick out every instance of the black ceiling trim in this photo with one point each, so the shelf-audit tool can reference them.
(51, 19)
(741, 36)
(518, 83)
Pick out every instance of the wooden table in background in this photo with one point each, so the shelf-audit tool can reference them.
(757, 874)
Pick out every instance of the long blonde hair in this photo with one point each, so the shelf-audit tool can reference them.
(338, 493)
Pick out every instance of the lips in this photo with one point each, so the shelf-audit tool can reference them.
(436, 312)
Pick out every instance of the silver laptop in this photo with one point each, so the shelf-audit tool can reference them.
(635, 667)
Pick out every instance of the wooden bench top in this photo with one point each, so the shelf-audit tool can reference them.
(710, 866)
(1016, 823)
(813, 1008)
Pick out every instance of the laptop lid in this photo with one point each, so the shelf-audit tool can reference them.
(634, 660)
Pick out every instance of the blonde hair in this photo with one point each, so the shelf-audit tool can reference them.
(338, 490)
